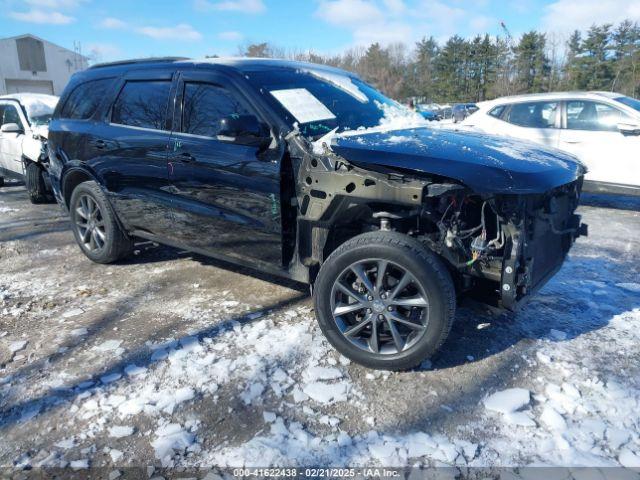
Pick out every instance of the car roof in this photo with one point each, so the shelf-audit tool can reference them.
(26, 97)
(241, 64)
(553, 96)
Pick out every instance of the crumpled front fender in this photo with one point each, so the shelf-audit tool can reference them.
(32, 147)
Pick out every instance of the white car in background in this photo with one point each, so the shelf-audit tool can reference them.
(601, 128)
(24, 120)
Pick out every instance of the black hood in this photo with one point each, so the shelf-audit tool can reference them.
(484, 163)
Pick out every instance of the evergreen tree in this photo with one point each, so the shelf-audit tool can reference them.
(504, 75)
(596, 64)
(626, 44)
(572, 65)
(451, 69)
(421, 76)
(483, 67)
(532, 63)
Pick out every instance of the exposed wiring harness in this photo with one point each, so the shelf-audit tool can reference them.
(479, 244)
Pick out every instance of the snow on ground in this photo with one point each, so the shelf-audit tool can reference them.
(171, 361)
(5, 209)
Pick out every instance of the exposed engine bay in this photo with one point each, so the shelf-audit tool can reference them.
(499, 246)
(512, 242)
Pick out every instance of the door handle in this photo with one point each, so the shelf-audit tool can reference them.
(184, 157)
(572, 142)
(99, 144)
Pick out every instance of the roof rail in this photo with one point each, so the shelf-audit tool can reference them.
(138, 60)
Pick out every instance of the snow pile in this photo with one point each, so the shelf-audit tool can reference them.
(582, 419)
(112, 377)
(120, 431)
(81, 464)
(321, 388)
(326, 393)
(111, 346)
(134, 370)
(263, 358)
(395, 117)
(508, 401)
(169, 439)
(552, 419)
(292, 444)
(18, 345)
(79, 332)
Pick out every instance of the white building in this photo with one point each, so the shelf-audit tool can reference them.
(31, 64)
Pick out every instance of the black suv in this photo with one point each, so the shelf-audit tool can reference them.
(289, 167)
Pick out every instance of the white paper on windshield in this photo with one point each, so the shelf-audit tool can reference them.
(303, 105)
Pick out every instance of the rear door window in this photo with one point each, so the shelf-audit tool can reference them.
(85, 99)
(594, 116)
(205, 105)
(142, 103)
(533, 115)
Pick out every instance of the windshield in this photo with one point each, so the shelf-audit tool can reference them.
(39, 110)
(320, 101)
(630, 102)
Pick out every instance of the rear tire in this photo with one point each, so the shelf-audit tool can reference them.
(95, 225)
(34, 180)
(410, 311)
(1, 181)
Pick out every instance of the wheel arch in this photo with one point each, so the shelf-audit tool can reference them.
(346, 218)
(71, 179)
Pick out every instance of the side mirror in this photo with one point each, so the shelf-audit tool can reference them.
(11, 128)
(244, 129)
(628, 129)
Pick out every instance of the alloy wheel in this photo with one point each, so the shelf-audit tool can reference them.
(89, 223)
(379, 306)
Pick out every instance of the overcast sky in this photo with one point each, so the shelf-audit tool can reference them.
(119, 29)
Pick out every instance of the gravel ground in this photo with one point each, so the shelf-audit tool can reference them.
(171, 359)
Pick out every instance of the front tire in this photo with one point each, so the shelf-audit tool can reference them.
(1, 181)
(34, 180)
(384, 301)
(95, 226)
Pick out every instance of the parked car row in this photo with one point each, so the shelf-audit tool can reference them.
(24, 119)
(601, 128)
(434, 111)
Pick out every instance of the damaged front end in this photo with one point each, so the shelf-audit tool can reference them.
(499, 246)
(506, 246)
(34, 146)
